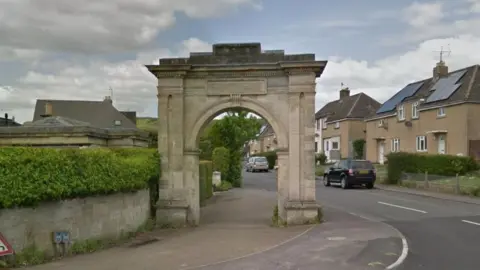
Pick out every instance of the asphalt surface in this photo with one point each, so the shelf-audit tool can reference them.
(441, 234)
(343, 241)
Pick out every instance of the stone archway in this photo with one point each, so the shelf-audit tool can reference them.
(276, 86)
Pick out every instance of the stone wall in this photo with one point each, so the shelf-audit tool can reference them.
(87, 218)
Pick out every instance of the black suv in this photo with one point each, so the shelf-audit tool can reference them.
(350, 172)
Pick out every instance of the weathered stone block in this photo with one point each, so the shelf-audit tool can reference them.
(277, 86)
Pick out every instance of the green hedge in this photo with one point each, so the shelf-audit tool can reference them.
(271, 157)
(29, 176)
(321, 158)
(221, 160)
(205, 177)
(447, 165)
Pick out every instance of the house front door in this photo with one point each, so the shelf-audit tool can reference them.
(381, 152)
(441, 144)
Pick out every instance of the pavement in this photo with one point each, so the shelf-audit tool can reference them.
(235, 233)
(442, 231)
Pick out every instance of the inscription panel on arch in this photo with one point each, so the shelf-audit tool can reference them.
(232, 87)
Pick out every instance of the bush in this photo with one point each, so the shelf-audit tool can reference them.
(271, 157)
(319, 171)
(205, 177)
(234, 175)
(447, 165)
(220, 159)
(29, 176)
(224, 186)
(321, 158)
(358, 148)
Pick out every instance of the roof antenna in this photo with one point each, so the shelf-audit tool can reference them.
(443, 53)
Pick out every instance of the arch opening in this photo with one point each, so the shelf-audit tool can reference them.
(248, 105)
(249, 179)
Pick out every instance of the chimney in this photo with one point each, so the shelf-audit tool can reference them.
(48, 109)
(6, 119)
(440, 70)
(345, 92)
(108, 99)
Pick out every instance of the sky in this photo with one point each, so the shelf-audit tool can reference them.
(51, 49)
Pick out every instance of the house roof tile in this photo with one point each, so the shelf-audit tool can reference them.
(359, 105)
(100, 114)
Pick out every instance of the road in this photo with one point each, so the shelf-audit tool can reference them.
(441, 234)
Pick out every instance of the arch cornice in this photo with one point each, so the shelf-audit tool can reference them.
(212, 109)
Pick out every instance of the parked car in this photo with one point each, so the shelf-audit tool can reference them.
(257, 164)
(351, 172)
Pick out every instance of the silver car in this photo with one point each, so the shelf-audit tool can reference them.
(257, 164)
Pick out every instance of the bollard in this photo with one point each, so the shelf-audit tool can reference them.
(216, 178)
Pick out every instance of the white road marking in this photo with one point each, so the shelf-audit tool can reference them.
(402, 257)
(470, 222)
(403, 207)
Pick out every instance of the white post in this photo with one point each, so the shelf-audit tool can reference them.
(217, 178)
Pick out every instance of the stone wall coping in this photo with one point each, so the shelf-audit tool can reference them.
(231, 56)
(31, 131)
(182, 69)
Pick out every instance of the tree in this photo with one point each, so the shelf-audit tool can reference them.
(231, 132)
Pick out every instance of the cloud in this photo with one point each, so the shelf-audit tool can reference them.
(14, 54)
(343, 24)
(98, 25)
(383, 78)
(431, 20)
(187, 46)
(423, 14)
(474, 6)
(133, 85)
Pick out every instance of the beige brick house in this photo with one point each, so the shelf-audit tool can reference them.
(266, 141)
(435, 115)
(341, 122)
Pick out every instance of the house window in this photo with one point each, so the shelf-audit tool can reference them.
(441, 111)
(421, 144)
(381, 123)
(334, 145)
(415, 110)
(337, 124)
(401, 113)
(119, 123)
(395, 145)
(318, 123)
(327, 146)
(324, 123)
(316, 147)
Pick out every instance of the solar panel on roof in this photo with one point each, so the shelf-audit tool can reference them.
(445, 87)
(407, 91)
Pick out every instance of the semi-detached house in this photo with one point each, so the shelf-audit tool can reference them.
(437, 115)
(339, 123)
